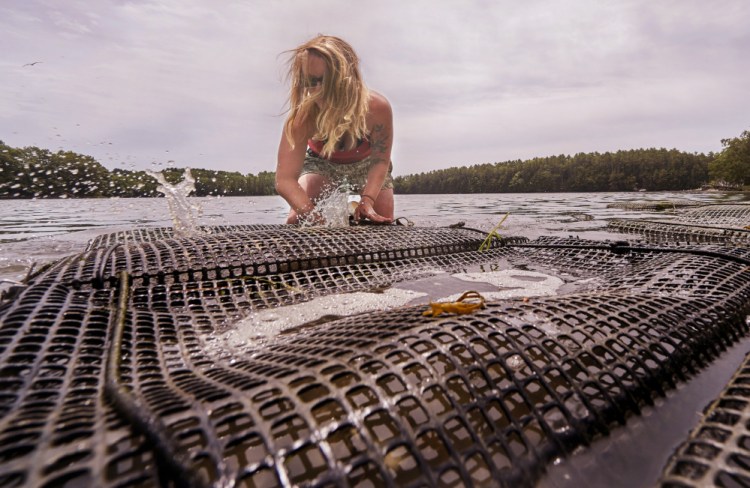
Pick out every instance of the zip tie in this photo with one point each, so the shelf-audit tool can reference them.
(459, 307)
(485, 246)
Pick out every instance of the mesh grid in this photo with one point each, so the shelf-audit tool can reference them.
(717, 452)
(254, 253)
(470, 399)
(708, 224)
(656, 205)
(55, 427)
(737, 215)
(234, 297)
(680, 232)
(151, 234)
(390, 398)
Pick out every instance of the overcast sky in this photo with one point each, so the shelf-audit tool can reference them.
(201, 83)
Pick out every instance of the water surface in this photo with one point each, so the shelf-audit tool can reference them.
(40, 231)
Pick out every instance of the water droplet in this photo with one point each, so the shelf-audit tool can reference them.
(577, 408)
(549, 328)
(556, 420)
(569, 343)
(515, 362)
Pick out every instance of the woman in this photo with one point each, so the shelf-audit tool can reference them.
(336, 129)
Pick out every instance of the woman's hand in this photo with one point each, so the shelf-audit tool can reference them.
(311, 217)
(365, 211)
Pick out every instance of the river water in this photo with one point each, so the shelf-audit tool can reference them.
(34, 232)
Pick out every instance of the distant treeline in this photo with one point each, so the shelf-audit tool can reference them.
(31, 172)
(652, 169)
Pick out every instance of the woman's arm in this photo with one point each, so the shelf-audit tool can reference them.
(381, 141)
(288, 168)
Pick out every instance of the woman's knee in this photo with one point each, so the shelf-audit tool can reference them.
(313, 184)
(384, 203)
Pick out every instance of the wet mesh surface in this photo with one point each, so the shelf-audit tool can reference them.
(721, 215)
(150, 234)
(717, 453)
(710, 224)
(257, 253)
(656, 205)
(386, 399)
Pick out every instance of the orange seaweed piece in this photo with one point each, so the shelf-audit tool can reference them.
(459, 307)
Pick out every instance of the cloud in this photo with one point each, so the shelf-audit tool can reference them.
(202, 83)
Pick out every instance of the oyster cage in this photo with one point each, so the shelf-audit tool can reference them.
(727, 224)
(111, 375)
(717, 451)
(659, 205)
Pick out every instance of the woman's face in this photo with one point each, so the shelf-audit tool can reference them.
(316, 72)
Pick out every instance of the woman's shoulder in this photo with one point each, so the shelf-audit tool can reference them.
(379, 105)
(303, 128)
(378, 100)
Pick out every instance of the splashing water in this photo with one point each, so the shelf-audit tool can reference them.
(184, 214)
(335, 205)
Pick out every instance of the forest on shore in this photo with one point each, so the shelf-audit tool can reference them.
(32, 172)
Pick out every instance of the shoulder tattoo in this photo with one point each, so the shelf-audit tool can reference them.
(379, 139)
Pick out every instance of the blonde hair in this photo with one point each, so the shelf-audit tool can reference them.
(343, 93)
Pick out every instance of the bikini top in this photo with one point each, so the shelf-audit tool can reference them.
(357, 153)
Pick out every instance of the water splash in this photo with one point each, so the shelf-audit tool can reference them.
(184, 214)
(335, 205)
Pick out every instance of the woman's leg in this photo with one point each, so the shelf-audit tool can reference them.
(313, 185)
(384, 203)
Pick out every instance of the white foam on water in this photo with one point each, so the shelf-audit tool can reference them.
(512, 284)
(264, 324)
(520, 284)
(268, 323)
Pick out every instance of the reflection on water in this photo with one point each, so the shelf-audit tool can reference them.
(44, 230)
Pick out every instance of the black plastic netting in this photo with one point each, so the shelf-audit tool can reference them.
(737, 215)
(271, 250)
(726, 224)
(109, 376)
(717, 452)
(660, 205)
(150, 234)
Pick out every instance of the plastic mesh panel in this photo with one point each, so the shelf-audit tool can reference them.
(671, 232)
(234, 297)
(150, 234)
(717, 453)
(55, 426)
(495, 395)
(576, 257)
(251, 253)
(721, 215)
(716, 223)
(389, 398)
(655, 205)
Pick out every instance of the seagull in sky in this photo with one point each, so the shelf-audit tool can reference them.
(31, 64)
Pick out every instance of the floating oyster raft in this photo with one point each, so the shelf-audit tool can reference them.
(112, 372)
